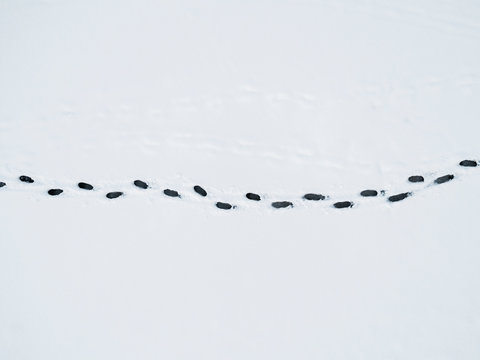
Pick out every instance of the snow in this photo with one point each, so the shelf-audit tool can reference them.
(279, 98)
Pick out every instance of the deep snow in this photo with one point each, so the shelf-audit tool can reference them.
(276, 98)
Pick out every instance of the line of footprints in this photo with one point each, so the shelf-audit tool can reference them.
(255, 197)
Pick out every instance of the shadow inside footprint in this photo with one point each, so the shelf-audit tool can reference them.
(223, 206)
(171, 193)
(369, 193)
(2, 184)
(199, 190)
(314, 197)
(444, 179)
(399, 197)
(26, 179)
(55, 192)
(343, 204)
(141, 184)
(114, 194)
(252, 196)
(85, 186)
(282, 204)
(416, 179)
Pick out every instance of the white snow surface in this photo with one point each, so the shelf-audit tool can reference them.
(279, 98)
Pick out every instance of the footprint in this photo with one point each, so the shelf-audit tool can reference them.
(141, 184)
(282, 204)
(399, 197)
(468, 163)
(444, 179)
(416, 179)
(252, 196)
(2, 184)
(171, 193)
(114, 194)
(314, 197)
(223, 206)
(343, 204)
(26, 179)
(369, 193)
(55, 192)
(85, 186)
(199, 190)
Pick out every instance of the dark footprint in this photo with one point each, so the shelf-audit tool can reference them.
(282, 204)
(369, 193)
(199, 190)
(252, 196)
(399, 197)
(114, 194)
(2, 184)
(141, 184)
(171, 193)
(343, 204)
(223, 206)
(55, 192)
(416, 179)
(444, 179)
(468, 163)
(314, 197)
(26, 179)
(85, 186)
